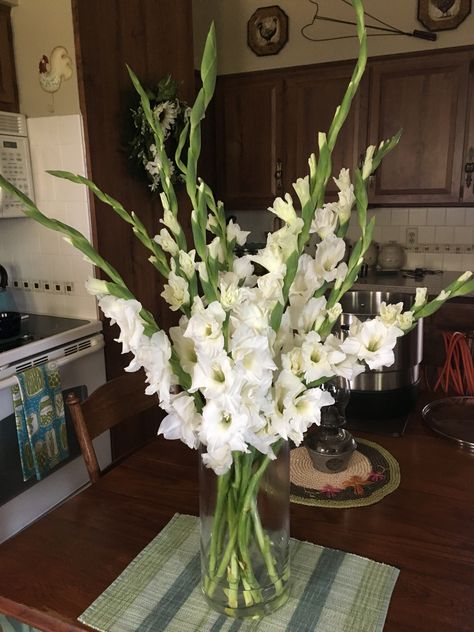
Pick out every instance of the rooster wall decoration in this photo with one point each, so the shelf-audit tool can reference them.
(442, 15)
(55, 69)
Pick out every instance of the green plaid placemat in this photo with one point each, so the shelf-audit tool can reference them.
(331, 591)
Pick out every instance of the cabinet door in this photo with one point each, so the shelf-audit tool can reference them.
(426, 97)
(248, 110)
(8, 87)
(311, 98)
(468, 158)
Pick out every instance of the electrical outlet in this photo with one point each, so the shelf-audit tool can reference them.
(36, 286)
(16, 284)
(26, 285)
(46, 286)
(412, 236)
(58, 287)
(68, 287)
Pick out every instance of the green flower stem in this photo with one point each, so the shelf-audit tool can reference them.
(265, 547)
(239, 532)
(217, 524)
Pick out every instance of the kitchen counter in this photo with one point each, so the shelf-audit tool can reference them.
(407, 285)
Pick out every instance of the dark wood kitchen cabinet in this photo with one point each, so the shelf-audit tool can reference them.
(8, 85)
(426, 97)
(311, 97)
(249, 139)
(268, 124)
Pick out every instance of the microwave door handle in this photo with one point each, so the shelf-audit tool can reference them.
(60, 362)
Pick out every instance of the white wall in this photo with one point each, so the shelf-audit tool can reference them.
(38, 26)
(31, 252)
(235, 56)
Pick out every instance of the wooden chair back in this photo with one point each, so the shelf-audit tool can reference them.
(112, 403)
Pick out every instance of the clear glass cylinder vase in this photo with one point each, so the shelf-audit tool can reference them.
(245, 534)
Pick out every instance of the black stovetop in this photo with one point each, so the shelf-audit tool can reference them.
(36, 327)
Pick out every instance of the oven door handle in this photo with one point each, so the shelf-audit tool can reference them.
(60, 362)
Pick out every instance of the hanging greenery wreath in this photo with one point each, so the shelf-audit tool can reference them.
(172, 115)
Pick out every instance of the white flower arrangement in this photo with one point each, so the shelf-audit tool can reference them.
(244, 369)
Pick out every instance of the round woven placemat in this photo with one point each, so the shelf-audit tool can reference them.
(372, 474)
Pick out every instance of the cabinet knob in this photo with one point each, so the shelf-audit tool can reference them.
(279, 175)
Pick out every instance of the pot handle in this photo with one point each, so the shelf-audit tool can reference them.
(3, 277)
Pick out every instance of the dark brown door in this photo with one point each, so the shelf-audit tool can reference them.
(468, 158)
(426, 97)
(248, 110)
(8, 87)
(311, 98)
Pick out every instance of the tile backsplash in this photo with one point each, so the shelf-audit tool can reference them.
(53, 270)
(444, 237)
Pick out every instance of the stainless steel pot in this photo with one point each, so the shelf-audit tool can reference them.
(408, 351)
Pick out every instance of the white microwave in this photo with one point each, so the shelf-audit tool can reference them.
(15, 162)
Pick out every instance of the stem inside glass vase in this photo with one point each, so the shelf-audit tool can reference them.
(245, 534)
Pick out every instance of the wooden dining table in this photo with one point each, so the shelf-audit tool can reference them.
(54, 569)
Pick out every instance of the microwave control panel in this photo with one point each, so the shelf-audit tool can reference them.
(15, 166)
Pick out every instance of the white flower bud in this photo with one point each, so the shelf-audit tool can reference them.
(96, 286)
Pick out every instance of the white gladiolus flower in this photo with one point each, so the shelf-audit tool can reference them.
(345, 365)
(346, 196)
(216, 250)
(167, 242)
(420, 297)
(219, 460)
(182, 422)
(405, 320)
(293, 361)
(212, 223)
(253, 313)
(252, 355)
(222, 426)
(284, 209)
(307, 315)
(301, 186)
(443, 295)
(316, 363)
(389, 313)
(235, 232)
(307, 411)
(373, 342)
(205, 327)
(367, 168)
(176, 292)
(170, 221)
(153, 354)
(187, 262)
(202, 271)
(126, 313)
(306, 281)
(184, 347)
(214, 375)
(164, 201)
(242, 267)
(341, 274)
(334, 312)
(96, 287)
(271, 287)
(229, 290)
(325, 221)
(465, 277)
(328, 254)
(271, 258)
